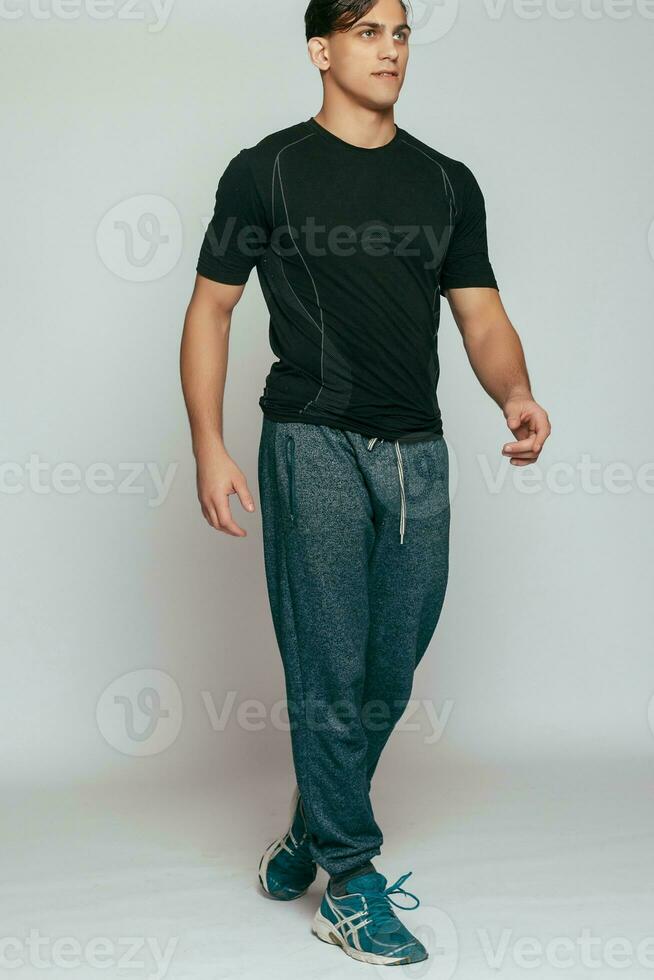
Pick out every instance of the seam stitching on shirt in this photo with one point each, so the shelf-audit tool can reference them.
(321, 326)
(451, 201)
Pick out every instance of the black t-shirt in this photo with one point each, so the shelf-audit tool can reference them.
(353, 247)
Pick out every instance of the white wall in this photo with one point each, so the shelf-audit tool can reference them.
(545, 643)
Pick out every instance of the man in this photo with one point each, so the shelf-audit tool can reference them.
(356, 229)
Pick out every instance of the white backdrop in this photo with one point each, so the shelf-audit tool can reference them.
(117, 133)
(144, 757)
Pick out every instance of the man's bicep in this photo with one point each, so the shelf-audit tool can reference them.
(221, 296)
(466, 263)
(237, 233)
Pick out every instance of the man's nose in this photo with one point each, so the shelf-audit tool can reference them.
(389, 50)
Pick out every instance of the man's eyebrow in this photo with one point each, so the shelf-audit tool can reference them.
(373, 23)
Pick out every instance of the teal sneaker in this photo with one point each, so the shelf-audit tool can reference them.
(362, 922)
(286, 869)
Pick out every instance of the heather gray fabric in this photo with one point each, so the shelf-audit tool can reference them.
(353, 607)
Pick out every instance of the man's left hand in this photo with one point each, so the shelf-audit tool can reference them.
(530, 424)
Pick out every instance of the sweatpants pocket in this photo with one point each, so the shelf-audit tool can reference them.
(438, 461)
(290, 472)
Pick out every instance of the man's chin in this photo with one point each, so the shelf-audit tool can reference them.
(385, 103)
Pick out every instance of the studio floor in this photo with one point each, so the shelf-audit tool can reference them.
(541, 870)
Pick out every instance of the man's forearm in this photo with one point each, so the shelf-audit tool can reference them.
(496, 355)
(203, 364)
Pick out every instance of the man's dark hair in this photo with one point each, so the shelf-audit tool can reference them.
(324, 17)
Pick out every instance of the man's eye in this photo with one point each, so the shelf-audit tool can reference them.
(402, 35)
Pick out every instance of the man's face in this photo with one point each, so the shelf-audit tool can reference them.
(377, 43)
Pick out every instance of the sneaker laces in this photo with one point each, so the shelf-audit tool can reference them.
(300, 854)
(379, 903)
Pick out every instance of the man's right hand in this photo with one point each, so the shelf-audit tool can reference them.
(218, 476)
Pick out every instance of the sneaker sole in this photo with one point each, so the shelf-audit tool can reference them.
(327, 932)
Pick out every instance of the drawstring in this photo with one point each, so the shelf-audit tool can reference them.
(400, 471)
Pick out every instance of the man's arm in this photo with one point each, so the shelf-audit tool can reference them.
(203, 364)
(497, 358)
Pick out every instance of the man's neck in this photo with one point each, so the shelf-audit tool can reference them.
(357, 125)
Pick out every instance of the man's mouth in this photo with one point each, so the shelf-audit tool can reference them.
(385, 74)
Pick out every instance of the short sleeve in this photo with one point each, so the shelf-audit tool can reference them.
(466, 260)
(237, 234)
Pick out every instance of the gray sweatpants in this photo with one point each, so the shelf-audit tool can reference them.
(356, 542)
